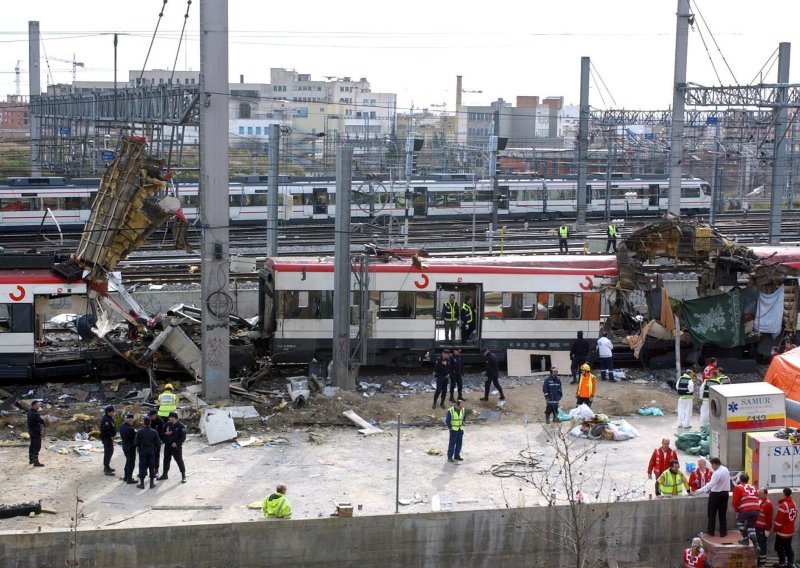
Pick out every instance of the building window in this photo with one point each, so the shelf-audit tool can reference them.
(249, 130)
(241, 130)
(258, 131)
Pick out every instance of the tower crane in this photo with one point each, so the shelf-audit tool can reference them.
(16, 78)
(74, 62)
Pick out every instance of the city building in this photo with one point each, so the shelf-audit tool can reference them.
(14, 118)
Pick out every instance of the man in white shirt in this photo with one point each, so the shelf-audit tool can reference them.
(718, 489)
(604, 349)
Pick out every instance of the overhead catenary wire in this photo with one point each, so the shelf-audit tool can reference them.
(155, 31)
(719, 49)
(597, 72)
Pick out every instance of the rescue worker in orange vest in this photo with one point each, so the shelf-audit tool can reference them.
(763, 524)
(784, 529)
(694, 557)
(672, 481)
(586, 386)
(745, 503)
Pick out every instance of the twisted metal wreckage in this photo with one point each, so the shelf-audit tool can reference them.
(125, 213)
(747, 297)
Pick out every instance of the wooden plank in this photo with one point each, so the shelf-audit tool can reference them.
(185, 507)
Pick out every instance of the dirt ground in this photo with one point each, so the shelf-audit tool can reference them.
(335, 463)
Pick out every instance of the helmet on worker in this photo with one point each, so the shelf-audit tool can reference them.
(169, 387)
(585, 367)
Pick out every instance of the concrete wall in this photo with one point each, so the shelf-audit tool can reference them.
(652, 532)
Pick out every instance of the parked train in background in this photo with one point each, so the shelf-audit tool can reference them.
(51, 202)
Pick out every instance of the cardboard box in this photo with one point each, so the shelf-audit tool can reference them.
(727, 552)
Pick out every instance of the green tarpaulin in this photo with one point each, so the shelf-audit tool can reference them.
(716, 319)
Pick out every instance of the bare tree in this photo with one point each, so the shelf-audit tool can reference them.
(580, 499)
(74, 521)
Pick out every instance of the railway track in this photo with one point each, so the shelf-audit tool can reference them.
(158, 262)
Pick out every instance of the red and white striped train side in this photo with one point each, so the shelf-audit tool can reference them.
(521, 302)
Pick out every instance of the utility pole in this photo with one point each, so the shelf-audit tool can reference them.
(115, 77)
(493, 141)
(341, 270)
(583, 142)
(607, 215)
(678, 107)
(409, 172)
(272, 195)
(780, 166)
(715, 197)
(35, 91)
(217, 302)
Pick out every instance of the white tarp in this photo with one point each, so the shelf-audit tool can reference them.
(769, 315)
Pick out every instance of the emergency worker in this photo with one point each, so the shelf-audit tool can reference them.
(612, 233)
(563, 235)
(455, 426)
(167, 402)
(450, 315)
(587, 383)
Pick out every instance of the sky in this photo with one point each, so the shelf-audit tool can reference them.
(416, 49)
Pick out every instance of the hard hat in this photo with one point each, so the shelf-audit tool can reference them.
(168, 387)
(585, 367)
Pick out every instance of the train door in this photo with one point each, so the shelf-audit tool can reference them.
(420, 201)
(502, 200)
(320, 203)
(449, 332)
(235, 198)
(652, 196)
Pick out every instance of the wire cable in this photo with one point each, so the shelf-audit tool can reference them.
(153, 39)
(719, 49)
(613, 100)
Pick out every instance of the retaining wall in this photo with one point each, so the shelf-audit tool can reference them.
(651, 533)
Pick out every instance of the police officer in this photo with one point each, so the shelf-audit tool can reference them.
(146, 442)
(174, 437)
(456, 373)
(552, 395)
(563, 235)
(450, 314)
(578, 353)
(157, 423)
(467, 319)
(613, 233)
(492, 374)
(128, 435)
(35, 431)
(442, 373)
(107, 432)
(167, 401)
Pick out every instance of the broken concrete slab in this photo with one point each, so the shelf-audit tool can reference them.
(366, 428)
(195, 400)
(138, 395)
(244, 414)
(217, 426)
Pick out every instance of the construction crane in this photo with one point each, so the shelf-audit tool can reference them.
(75, 64)
(16, 78)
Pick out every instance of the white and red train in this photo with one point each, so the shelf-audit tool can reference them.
(521, 302)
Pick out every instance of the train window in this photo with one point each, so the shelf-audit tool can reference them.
(425, 305)
(519, 305)
(54, 203)
(563, 306)
(16, 204)
(16, 318)
(689, 192)
(706, 188)
(396, 305)
(493, 305)
(258, 199)
(306, 304)
(190, 200)
(235, 200)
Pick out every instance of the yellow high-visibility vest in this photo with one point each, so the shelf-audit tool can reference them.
(563, 232)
